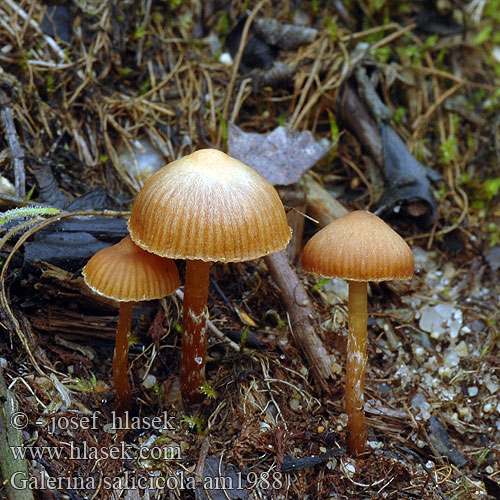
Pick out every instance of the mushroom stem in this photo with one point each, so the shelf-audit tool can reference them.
(194, 332)
(120, 360)
(356, 367)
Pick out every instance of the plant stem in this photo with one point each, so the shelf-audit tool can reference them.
(356, 367)
(120, 360)
(194, 331)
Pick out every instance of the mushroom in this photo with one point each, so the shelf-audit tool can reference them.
(126, 273)
(206, 207)
(358, 247)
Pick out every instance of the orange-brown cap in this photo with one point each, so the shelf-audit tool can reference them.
(211, 207)
(127, 273)
(359, 247)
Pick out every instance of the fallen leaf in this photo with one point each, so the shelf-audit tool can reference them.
(281, 156)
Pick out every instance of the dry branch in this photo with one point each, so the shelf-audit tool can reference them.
(16, 150)
(304, 329)
(11, 438)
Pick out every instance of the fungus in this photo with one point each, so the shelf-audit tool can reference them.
(206, 207)
(126, 273)
(358, 247)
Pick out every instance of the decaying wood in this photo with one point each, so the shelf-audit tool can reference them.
(304, 329)
(16, 150)
(357, 118)
(11, 438)
(295, 201)
(69, 285)
(321, 205)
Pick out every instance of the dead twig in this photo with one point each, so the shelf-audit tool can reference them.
(16, 150)
(11, 438)
(299, 308)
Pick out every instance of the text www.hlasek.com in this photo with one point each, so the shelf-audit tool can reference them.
(83, 451)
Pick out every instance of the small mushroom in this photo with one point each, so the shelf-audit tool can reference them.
(358, 247)
(126, 273)
(206, 207)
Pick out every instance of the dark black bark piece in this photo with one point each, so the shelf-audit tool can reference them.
(290, 464)
(58, 21)
(441, 442)
(257, 53)
(70, 243)
(221, 482)
(408, 183)
(251, 339)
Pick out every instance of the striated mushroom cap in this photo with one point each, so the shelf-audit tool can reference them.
(359, 247)
(211, 207)
(127, 273)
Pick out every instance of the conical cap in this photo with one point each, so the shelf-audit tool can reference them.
(360, 247)
(125, 272)
(211, 207)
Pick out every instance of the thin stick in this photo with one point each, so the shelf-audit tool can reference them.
(299, 308)
(16, 150)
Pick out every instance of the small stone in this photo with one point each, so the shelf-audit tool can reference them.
(461, 348)
(477, 325)
(226, 59)
(337, 287)
(422, 406)
(149, 382)
(472, 391)
(463, 411)
(441, 319)
(423, 259)
(108, 428)
(140, 160)
(350, 468)
(493, 258)
(451, 360)
(264, 427)
(491, 385)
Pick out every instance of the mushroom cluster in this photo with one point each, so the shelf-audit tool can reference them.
(206, 207)
(358, 247)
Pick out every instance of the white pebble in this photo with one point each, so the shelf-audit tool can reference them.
(149, 382)
(226, 59)
(472, 391)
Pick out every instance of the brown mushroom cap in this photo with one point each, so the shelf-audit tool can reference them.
(127, 273)
(210, 207)
(359, 247)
